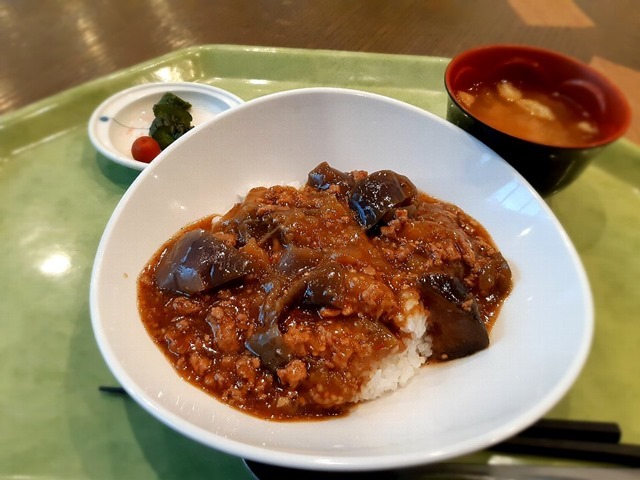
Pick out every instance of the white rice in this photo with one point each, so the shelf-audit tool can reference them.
(397, 370)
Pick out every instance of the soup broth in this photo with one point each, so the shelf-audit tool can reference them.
(537, 116)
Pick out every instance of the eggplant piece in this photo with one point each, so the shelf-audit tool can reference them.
(378, 194)
(455, 324)
(321, 286)
(243, 221)
(295, 259)
(279, 298)
(199, 261)
(323, 176)
(269, 346)
(325, 286)
(495, 276)
(261, 229)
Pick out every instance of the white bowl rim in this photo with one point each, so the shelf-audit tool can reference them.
(338, 463)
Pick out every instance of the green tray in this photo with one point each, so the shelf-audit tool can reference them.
(57, 193)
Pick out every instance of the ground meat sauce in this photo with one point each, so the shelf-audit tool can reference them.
(284, 305)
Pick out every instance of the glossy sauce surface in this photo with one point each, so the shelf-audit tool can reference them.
(296, 335)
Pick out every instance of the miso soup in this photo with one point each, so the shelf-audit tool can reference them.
(538, 116)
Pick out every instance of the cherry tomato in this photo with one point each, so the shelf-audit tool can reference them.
(145, 149)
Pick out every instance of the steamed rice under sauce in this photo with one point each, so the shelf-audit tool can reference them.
(397, 370)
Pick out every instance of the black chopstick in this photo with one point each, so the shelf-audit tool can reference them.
(572, 439)
(109, 389)
(579, 430)
(617, 453)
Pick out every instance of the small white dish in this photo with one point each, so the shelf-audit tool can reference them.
(539, 343)
(127, 115)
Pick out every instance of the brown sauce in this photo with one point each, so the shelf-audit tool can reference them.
(317, 298)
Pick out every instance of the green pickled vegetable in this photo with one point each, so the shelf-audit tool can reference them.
(172, 99)
(172, 119)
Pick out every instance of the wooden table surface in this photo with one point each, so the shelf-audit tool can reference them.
(52, 45)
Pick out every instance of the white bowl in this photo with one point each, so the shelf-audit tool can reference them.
(539, 344)
(128, 114)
